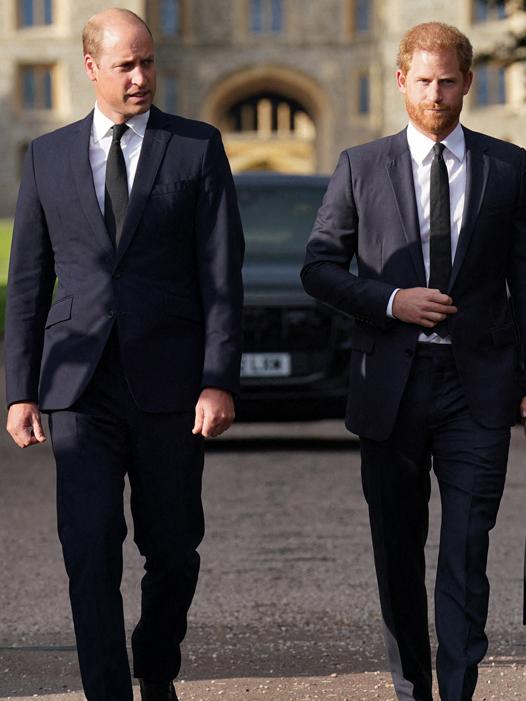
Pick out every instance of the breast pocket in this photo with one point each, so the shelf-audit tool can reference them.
(174, 188)
(169, 204)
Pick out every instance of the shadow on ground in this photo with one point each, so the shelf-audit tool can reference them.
(227, 654)
(270, 444)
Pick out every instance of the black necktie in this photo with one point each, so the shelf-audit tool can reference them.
(440, 230)
(116, 187)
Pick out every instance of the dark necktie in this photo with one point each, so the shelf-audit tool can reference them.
(440, 230)
(116, 187)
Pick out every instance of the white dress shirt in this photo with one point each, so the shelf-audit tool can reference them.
(421, 148)
(99, 147)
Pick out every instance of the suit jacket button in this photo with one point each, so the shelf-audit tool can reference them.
(409, 352)
(111, 314)
(117, 275)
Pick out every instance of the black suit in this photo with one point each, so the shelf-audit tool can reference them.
(410, 403)
(118, 360)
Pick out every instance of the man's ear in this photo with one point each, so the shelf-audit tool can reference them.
(90, 66)
(468, 80)
(400, 81)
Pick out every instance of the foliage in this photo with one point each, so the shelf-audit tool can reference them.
(6, 228)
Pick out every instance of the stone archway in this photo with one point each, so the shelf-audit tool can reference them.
(272, 118)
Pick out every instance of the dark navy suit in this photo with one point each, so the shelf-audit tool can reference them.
(118, 361)
(414, 405)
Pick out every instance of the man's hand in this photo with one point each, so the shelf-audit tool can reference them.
(214, 412)
(24, 424)
(422, 306)
(523, 413)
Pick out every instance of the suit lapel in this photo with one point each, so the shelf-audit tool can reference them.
(154, 145)
(400, 171)
(477, 171)
(83, 176)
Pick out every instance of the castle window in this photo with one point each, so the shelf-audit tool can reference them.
(269, 114)
(33, 13)
(266, 16)
(363, 94)
(36, 87)
(169, 87)
(490, 85)
(362, 15)
(488, 10)
(170, 17)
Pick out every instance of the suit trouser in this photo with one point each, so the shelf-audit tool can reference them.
(96, 442)
(434, 426)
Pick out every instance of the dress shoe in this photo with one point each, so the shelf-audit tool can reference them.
(157, 691)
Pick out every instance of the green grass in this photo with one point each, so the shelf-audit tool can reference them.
(6, 228)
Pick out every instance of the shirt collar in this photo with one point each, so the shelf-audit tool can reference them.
(420, 145)
(102, 124)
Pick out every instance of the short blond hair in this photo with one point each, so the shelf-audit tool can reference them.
(434, 36)
(92, 33)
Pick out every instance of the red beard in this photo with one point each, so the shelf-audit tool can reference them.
(433, 122)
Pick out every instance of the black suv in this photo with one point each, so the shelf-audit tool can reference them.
(296, 351)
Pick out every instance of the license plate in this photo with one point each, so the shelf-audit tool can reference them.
(265, 365)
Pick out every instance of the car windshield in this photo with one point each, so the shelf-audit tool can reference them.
(277, 220)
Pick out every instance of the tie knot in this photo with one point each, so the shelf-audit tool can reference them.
(118, 131)
(438, 149)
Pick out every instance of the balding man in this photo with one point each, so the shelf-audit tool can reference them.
(133, 212)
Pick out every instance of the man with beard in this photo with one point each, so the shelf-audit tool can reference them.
(436, 217)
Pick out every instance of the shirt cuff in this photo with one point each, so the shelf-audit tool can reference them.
(389, 311)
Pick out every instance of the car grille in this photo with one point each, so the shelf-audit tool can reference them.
(286, 329)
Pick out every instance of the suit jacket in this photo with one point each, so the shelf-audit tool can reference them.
(173, 286)
(369, 211)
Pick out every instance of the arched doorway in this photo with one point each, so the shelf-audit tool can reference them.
(270, 119)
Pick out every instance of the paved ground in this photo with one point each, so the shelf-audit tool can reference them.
(286, 607)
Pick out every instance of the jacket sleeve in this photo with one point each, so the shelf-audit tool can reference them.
(331, 247)
(517, 266)
(220, 250)
(29, 290)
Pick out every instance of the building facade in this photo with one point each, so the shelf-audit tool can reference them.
(289, 82)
